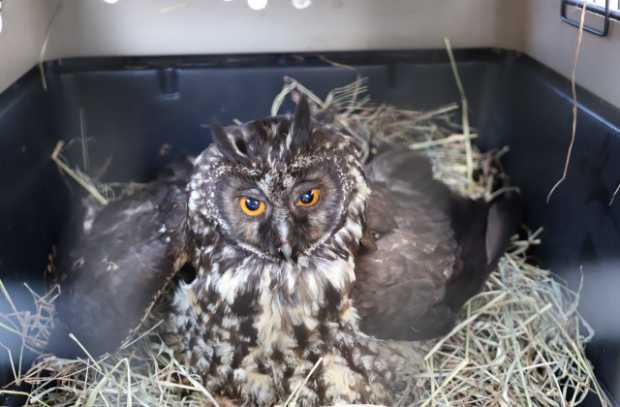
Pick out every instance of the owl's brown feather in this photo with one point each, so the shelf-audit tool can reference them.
(432, 249)
(404, 255)
(117, 269)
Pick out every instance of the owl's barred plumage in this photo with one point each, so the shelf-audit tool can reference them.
(253, 321)
(384, 251)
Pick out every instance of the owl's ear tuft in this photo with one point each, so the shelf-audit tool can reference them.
(231, 143)
(301, 129)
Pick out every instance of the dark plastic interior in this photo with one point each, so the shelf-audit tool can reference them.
(132, 106)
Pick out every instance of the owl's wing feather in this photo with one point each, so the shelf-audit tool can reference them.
(119, 268)
(432, 250)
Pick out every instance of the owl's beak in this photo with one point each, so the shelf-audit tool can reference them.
(287, 251)
(284, 247)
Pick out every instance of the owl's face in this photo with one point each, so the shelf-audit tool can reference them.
(277, 188)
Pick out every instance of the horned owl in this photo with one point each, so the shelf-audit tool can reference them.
(302, 253)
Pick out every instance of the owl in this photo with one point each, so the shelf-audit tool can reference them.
(303, 257)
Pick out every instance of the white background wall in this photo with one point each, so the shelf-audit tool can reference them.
(215, 26)
(143, 27)
(25, 23)
(552, 42)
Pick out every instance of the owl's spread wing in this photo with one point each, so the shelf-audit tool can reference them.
(430, 250)
(118, 269)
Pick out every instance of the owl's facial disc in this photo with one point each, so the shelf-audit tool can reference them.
(281, 215)
(280, 187)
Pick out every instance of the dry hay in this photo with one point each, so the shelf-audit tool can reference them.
(520, 342)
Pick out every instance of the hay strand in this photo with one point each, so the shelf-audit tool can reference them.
(83, 181)
(613, 196)
(292, 398)
(573, 85)
(464, 111)
(46, 40)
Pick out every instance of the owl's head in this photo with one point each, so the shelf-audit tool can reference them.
(278, 188)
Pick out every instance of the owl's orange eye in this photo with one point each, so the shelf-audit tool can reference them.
(251, 206)
(309, 198)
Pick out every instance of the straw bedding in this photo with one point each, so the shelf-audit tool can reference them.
(520, 342)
